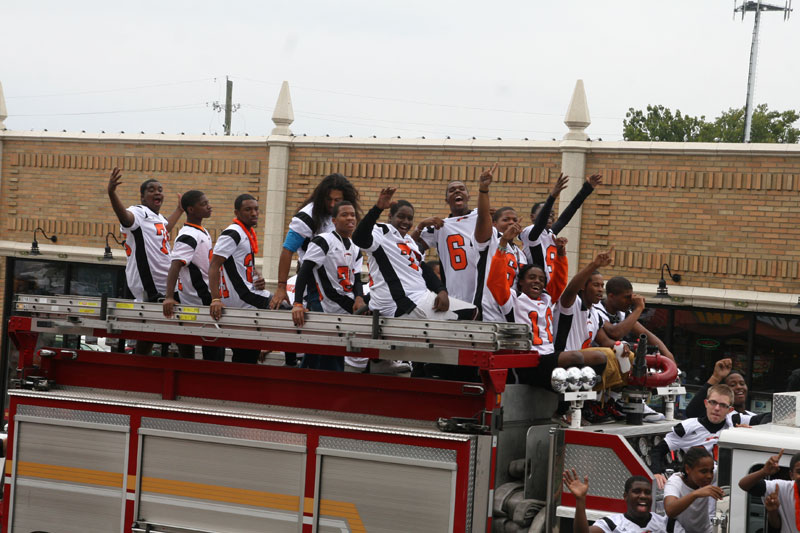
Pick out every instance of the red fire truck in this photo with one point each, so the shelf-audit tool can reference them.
(102, 442)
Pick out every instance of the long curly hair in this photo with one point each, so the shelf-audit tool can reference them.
(319, 197)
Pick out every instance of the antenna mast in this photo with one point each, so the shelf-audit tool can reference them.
(757, 6)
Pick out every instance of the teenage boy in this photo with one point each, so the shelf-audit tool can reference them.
(146, 233)
(781, 496)
(334, 263)
(703, 431)
(637, 518)
(189, 267)
(240, 285)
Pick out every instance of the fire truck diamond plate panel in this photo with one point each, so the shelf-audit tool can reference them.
(217, 430)
(607, 473)
(391, 450)
(784, 409)
(92, 417)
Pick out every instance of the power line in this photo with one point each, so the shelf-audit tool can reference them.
(100, 91)
(165, 108)
(418, 102)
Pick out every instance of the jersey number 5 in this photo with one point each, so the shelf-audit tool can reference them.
(161, 230)
(458, 256)
(406, 251)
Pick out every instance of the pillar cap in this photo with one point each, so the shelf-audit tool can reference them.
(577, 118)
(283, 116)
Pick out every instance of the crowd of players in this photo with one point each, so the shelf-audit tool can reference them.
(490, 268)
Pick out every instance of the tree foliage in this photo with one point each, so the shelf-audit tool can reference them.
(659, 123)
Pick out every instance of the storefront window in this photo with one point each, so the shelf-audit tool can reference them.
(39, 277)
(703, 337)
(94, 280)
(776, 353)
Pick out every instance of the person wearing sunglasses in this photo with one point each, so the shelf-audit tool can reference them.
(703, 431)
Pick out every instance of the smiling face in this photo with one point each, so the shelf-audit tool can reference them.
(593, 291)
(739, 386)
(345, 220)
(639, 499)
(532, 283)
(248, 213)
(153, 196)
(457, 197)
(403, 219)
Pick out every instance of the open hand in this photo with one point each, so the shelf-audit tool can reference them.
(573, 484)
(560, 185)
(114, 180)
(385, 197)
(595, 180)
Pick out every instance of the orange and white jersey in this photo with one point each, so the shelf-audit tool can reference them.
(513, 259)
(238, 270)
(338, 261)
(540, 250)
(576, 326)
(520, 308)
(147, 248)
(193, 248)
(458, 254)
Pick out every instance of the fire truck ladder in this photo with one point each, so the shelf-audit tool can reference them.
(410, 339)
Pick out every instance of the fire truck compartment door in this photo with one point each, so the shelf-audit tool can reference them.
(68, 470)
(219, 478)
(383, 487)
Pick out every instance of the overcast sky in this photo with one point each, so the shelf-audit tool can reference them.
(413, 68)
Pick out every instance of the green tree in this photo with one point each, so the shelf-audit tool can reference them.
(660, 124)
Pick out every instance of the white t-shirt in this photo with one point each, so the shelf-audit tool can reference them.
(514, 259)
(193, 249)
(690, 433)
(694, 518)
(338, 263)
(395, 272)
(147, 247)
(786, 500)
(657, 524)
(458, 254)
(575, 327)
(236, 281)
(302, 223)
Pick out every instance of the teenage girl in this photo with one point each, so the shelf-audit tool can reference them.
(690, 496)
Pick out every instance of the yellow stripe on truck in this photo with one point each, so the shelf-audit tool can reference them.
(200, 491)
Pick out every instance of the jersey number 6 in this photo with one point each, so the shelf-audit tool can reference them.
(458, 256)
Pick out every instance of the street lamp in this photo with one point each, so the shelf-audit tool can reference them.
(662, 284)
(107, 255)
(35, 243)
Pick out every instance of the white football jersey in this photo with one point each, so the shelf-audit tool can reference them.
(575, 327)
(786, 499)
(395, 271)
(691, 432)
(147, 247)
(519, 308)
(514, 259)
(618, 523)
(458, 254)
(238, 270)
(303, 224)
(338, 263)
(193, 248)
(540, 250)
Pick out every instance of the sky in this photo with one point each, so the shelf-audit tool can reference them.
(432, 68)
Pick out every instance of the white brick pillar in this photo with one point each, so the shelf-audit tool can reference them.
(573, 164)
(277, 182)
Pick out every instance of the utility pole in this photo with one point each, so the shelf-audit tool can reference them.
(757, 6)
(229, 106)
(228, 103)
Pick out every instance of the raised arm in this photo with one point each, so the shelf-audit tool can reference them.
(362, 236)
(124, 216)
(588, 186)
(771, 467)
(558, 279)
(579, 489)
(497, 280)
(483, 226)
(175, 216)
(579, 281)
(544, 214)
(416, 233)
